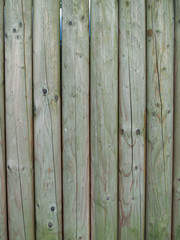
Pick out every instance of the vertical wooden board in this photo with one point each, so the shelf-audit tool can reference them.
(3, 227)
(75, 118)
(176, 184)
(104, 118)
(159, 118)
(132, 113)
(18, 84)
(47, 124)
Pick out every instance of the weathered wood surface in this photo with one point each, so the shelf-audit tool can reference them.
(47, 124)
(3, 223)
(176, 184)
(19, 140)
(104, 118)
(132, 116)
(159, 118)
(75, 119)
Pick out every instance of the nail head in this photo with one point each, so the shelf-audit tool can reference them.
(44, 91)
(52, 208)
(50, 224)
(138, 131)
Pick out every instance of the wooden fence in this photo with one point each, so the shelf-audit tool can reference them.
(90, 130)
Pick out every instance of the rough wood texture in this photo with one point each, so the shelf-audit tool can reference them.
(104, 118)
(19, 138)
(159, 118)
(47, 124)
(3, 223)
(75, 92)
(176, 184)
(132, 113)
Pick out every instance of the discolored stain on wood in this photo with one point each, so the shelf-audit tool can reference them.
(150, 33)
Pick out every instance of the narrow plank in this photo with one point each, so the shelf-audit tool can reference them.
(75, 108)
(19, 139)
(159, 118)
(3, 227)
(176, 183)
(132, 113)
(47, 124)
(104, 118)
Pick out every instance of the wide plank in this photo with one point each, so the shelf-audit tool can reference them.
(75, 119)
(47, 121)
(19, 137)
(132, 118)
(104, 119)
(160, 28)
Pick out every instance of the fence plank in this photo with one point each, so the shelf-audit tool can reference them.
(159, 118)
(18, 84)
(3, 227)
(132, 113)
(176, 184)
(47, 127)
(75, 92)
(104, 117)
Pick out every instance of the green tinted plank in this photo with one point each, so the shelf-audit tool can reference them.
(19, 140)
(159, 118)
(104, 118)
(47, 125)
(176, 184)
(3, 228)
(75, 118)
(132, 113)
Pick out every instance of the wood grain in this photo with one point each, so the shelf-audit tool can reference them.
(75, 119)
(132, 118)
(176, 183)
(104, 118)
(19, 140)
(3, 223)
(47, 124)
(159, 118)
